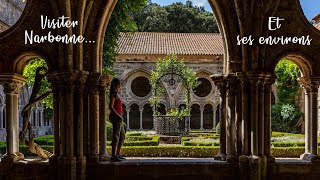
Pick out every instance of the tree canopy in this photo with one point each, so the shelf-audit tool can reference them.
(286, 113)
(177, 17)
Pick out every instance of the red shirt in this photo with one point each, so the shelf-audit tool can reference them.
(118, 105)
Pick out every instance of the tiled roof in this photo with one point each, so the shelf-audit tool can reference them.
(170, 43)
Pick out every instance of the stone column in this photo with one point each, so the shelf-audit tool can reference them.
(67, 80)
(104, 81)
(11, 85)
(37, 117)
(245, 139)
(231, 118)
(1, 116)
(141, 116)
(128, 118)
(41, 117)
(221, 84)
(79, 122)
(93, 85)
(267, 118)
(313, 109)
(214, 118)
(201, 117)
(307, 117)
(56, 124)
(255, 161)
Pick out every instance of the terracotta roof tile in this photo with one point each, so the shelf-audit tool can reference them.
(170, 43)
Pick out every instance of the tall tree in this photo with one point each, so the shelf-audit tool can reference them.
(120, 21)
(177, 17)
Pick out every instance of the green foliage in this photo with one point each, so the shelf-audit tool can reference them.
(30, 73)
(285, 113)
(218, 128)
(169, 151)
(120, 21)
(166, 66)
(153, 142)
(177, 17)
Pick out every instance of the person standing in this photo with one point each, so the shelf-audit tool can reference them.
(118, 134)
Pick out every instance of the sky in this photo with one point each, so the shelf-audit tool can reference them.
(310, 7)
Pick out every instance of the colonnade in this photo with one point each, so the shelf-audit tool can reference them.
(245, 114)
(141, 117)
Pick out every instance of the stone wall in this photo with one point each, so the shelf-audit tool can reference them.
(132, 67)
(10, 11)
(317, 21)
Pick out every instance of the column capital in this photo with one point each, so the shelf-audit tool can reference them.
(311, 85)
(93, 82)
(81, 79)
(232, 86)
(12, 82)
(221, 83)
(141, 109)
(62, 81)
(103, 83)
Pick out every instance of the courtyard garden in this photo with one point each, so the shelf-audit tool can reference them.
(198, 144)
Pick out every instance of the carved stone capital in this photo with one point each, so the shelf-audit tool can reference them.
(81, 80)
(103, 83)
(232, 86)
(269, 81)
(93, 82)
(221, 83)
(311, 85)
(12, 82)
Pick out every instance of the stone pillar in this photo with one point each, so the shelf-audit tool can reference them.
(128, 118)
(41, 117)
(56, 124)
(214, 118)
(37, 117)
(141, 116)
(1, 116)
(254, 116)
(93, 85)
(79, 124)
(201, 117)
(267, 119)
(67, 81)
(307, 117)
(104, 81)
(231, 118)
(11, 85)
(313, 109)
(221, 84)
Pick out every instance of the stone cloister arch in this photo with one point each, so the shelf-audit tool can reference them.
(80, 87)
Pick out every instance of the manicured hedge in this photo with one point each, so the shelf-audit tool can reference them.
(134, 134)
(169, 151)
(25, 149)
(280, 134)
(153, 142)
(138, 138)
(287, 144)
(188, 143)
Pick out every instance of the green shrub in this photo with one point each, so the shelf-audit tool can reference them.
(169, 151)
(287, 152)
(153, 142)
(109, 130)
(41, 141)
(138, 138)
(134, 134)
(218, 128)
(288, 144)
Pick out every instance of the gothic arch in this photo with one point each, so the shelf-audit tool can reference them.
(300, 57)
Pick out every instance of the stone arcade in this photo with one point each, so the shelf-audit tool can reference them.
(79, 102)
(138, 53)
